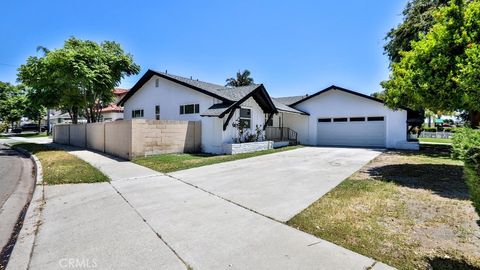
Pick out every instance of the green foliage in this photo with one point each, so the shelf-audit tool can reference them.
(12, 102)
(79, 77)
(379, 95)
(466, 146)
(430, 129)
(243, 79)
(417, 20)
(440, 72)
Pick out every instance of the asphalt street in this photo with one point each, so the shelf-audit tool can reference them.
(16, 188)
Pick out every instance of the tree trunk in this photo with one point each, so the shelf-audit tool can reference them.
(39, 125)
(474, 119)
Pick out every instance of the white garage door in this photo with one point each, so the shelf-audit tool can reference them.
(352, 131)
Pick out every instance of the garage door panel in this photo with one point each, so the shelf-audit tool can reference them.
(368, 133)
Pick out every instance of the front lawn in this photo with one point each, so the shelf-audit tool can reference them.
(434, 140)
(60, 167)
(175, 162)
(26, 135)
(409, 210)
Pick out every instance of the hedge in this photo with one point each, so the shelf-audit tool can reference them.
(466, 146)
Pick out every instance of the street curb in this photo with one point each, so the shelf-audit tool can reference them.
(23, 249)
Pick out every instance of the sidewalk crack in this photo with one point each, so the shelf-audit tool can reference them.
(152, 229)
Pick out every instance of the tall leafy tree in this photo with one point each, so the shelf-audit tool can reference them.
(12, 103)
(34, 110)
(441, 71)
(418, 19)
(79, 77)
(242, 79)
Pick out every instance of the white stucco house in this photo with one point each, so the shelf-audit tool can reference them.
(332, 117)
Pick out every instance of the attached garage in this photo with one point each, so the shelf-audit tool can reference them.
(369, 131)
(341, 117)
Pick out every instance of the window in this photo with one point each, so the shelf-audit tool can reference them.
(157, 82)
(324, 120)
(137, 113)
(157, 112)
(189, 109)
(357, 119)
(376, 118)
(342, 119)
(246, 117)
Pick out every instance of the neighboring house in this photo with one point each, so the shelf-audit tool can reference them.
(113, 112)
(334, 116)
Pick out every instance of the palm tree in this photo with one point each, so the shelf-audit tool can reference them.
(243, 79)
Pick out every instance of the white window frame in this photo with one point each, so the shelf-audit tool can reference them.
(245, 118)
(196, 108)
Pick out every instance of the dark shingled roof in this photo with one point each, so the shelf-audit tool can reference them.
(228, 95)
(215, 109)
(290, 100)
(282, 107)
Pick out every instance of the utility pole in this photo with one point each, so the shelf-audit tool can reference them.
(48, 122)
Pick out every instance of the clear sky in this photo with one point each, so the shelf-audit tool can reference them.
(293, 47)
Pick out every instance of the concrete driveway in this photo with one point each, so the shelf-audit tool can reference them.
(279, 185)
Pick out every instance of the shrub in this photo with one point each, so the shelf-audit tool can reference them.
(466, 146)
(430, 129)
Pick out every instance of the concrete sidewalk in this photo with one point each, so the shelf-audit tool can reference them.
(144, 218)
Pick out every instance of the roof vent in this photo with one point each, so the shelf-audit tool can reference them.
(191, 78)
(166, 71)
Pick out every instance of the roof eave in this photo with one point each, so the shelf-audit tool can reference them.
(150, 73)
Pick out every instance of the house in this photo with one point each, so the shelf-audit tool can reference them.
(112, 111)
(334, 116)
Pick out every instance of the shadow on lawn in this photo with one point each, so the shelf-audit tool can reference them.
(443, 179)
(449, 264)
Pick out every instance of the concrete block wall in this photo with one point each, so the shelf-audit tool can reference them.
(61, 134)
(151, 137)
(238, 148)
(132, 138)
(96, 136)
(77, 135)
(118, 139)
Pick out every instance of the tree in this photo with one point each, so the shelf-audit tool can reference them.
(78, 78)
(12, 103)
(441, 71)
(378, 95)
(33, 109)
(243, 79)
(418, 19)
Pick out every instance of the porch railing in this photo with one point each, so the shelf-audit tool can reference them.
(281, 134)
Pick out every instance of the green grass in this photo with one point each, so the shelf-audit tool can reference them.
(397, 209)
(26, 135)
(175, 162)
(435, 140)
(60, 167)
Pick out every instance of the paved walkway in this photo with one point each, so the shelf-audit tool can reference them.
(144, 219)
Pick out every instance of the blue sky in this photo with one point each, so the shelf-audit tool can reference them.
(293, 47)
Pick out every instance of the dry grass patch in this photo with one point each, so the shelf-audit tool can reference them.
(60, 167)
(409, 210)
